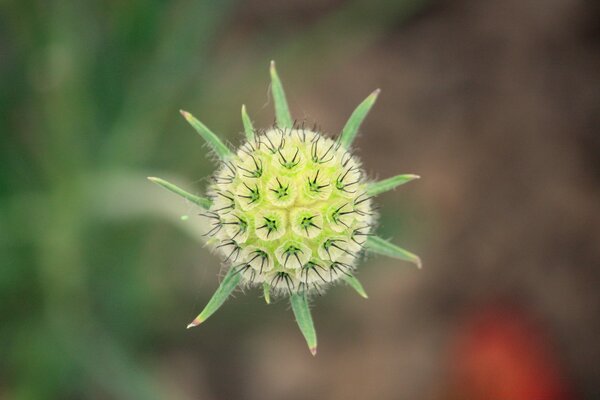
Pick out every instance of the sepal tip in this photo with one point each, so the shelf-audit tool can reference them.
(193, 324)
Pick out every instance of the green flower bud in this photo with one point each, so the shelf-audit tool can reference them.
(291, 210)
(299, 197)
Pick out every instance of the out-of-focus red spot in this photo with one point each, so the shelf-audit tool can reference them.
(503, 355)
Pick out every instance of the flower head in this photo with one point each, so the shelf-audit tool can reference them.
(291, 210)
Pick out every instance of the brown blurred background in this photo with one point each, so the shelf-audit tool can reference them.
(495, 103)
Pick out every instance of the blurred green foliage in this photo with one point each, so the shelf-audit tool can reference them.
(89, 94)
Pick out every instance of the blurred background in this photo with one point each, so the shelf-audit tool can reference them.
(496, 104)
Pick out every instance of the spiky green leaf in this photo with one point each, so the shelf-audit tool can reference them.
(375, 188)
(267, 292)
(227, 286)
(201, 201)
(248, 128)
(356, 285)
(351, 128)
(213, 140)
(304, 320)
(375, 244)
(282, 111)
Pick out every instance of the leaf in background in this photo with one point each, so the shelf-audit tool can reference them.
(177, 63)
(375, 244)
(304, 319)
(213, 140)
(201, 201)
(227, 286)
(356, 285)
(360, 113)
(248, 128)
(267, 292)
(282, 112)
(375, 188)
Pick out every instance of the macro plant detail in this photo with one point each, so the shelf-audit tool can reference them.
(291, 211)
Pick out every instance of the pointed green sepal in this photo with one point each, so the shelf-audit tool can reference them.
(282, 111)
(227, 286)
(201, 201)
(356, 285)
(213, 140)
(267, 292)
(375, 244)
(351, 128)
(304, 320)
(375, 188)
(248, 127)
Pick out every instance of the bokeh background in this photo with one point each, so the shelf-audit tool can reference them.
(495, 103)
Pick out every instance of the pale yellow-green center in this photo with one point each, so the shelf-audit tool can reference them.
(290, 209)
